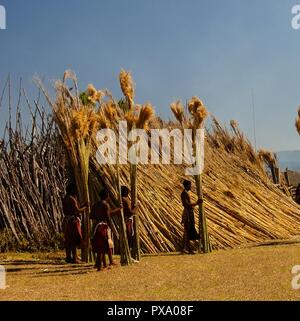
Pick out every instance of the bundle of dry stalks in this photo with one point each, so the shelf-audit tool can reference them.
(198, 113)
(270, 159)
(78, 125)
(32, 177)
(137, 117)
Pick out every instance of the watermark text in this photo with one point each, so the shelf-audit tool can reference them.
(2, 278)
(2, 18)
(159, 146)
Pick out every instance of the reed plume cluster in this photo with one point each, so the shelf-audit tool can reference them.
(178, 111)
(136, 117)
(78, 124)
(127, 86)
(198, 114)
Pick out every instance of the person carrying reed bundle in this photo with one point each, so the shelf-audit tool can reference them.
(72, 223)
(129, 213)
(188, 219)
(102, 242)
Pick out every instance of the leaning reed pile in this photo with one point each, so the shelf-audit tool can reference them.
(242, 204)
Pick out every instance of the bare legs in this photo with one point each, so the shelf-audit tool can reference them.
(71, 254)
(68, 254)
(101, 260)
(186, 243)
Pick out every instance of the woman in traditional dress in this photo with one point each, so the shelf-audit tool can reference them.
(129, 213)
(72, 223)
(102, 240)
(188, 218)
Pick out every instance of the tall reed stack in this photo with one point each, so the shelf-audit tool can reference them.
(112, 114)
(78, 124)
(198, 113)
(136, 118)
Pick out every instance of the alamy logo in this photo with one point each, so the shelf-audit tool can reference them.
(2, 18)
(296, 18)
(2, 278)
(162, 146)
(296, 278)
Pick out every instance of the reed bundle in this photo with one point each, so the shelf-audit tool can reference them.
(137, 117)
(78, 124)
(198, 113)
(270, 159)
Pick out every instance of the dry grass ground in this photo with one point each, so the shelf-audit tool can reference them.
(256, 273)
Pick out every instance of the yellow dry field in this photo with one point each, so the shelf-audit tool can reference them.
(256, 273)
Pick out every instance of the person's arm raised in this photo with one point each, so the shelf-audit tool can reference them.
(77, 207)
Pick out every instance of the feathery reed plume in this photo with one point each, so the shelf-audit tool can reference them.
(69, 74)
(127, 86)
(93, 94)
(270, 159)
(233, 123)
(194, 103)
(266, 156)
(197, 111)
(109, 111)
(145, 115)
(178, 111)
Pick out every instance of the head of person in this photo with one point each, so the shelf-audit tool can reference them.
(187, 185)
(124, 191)
(72, 189)
(104, 195)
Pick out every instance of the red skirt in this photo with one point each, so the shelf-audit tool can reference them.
(101, 238)
(73, 234)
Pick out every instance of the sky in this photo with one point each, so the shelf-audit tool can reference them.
(219, 50)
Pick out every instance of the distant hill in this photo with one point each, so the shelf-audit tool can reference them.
(289, 159)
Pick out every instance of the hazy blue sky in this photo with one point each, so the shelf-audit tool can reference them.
(219, 50)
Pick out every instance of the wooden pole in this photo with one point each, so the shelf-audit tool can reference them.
(136, 251)
(124, 247)
(204, 245)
